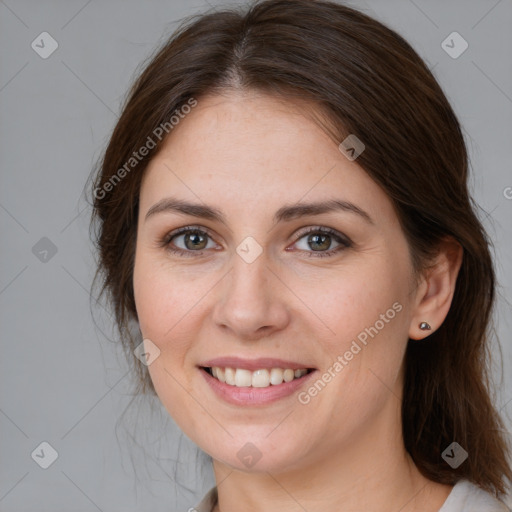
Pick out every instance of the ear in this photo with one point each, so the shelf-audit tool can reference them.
(435, 292)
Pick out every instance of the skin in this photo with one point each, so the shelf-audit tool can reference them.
(248, 154)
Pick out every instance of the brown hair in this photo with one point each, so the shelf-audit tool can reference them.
(373, 84)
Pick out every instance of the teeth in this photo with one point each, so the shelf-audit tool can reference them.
(220, 374)
(243, 378)
(230, 376)
(288, 375)
(259, 379)
(276, 376)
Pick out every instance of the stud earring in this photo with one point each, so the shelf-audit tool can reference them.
(424, 326)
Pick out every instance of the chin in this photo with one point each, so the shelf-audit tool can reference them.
(259, 455)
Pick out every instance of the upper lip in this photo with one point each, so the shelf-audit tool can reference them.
(253, 364)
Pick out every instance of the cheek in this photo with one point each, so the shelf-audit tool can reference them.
(347, 301)
(364, 318)
(166, 317)
(168, 303)
(164, 297)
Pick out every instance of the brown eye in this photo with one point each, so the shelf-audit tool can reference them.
(195, 240)
(187, 241)
(319, 241)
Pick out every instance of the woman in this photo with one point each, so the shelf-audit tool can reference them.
(283, 211)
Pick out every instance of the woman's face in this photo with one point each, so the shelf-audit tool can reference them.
(268, 283)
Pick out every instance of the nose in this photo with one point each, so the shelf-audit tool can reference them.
(251, 300)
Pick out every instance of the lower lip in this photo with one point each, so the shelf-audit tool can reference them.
(255, 396)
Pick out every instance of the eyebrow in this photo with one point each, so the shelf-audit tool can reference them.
(285, 213)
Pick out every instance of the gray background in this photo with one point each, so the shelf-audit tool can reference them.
(62, 381)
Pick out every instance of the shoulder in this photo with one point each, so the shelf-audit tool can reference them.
(208, 502)
(467, 497)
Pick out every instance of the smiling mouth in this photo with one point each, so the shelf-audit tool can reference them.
(263, 378)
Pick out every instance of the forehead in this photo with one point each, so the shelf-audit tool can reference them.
(254, 151)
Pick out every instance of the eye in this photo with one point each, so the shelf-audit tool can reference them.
(190, 239)
(320, 240)
(187, 240)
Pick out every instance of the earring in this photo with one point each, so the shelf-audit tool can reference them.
(424, 326)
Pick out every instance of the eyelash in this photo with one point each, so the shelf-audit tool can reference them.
(344, 241)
